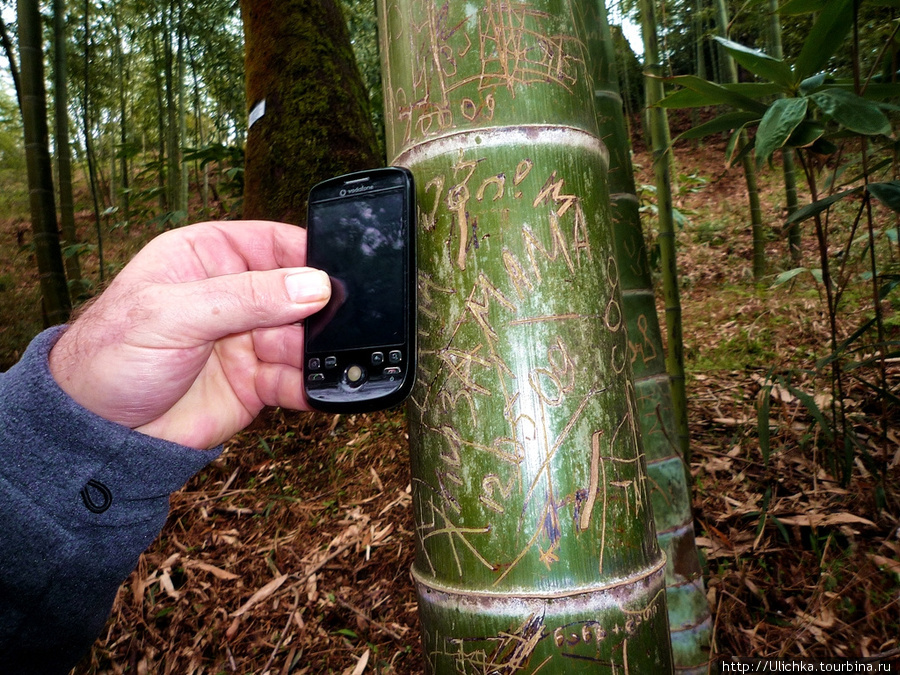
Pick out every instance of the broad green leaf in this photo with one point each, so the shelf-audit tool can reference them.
(806, 134)
(687, 98)
(810, 84)
(823, 146)
(734, 151)
(810, 210)
(732, 120)
(718, 95)
(887, 193)
(777, 126)
(795, 7)
(874, 91)
(754, 90)
(760, 64)
(852, 112)
(826, 36)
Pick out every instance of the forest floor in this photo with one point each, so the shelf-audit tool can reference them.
(291, 552)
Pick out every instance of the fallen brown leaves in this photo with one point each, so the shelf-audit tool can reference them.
(798, 564)
(289, 554)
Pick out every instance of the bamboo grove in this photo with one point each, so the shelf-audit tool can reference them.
(549, 438)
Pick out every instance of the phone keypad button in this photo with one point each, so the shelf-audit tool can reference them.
(392, 370)
(395, 356)
(377, 358)
(316, 377)
(330, 361)
(314, 363)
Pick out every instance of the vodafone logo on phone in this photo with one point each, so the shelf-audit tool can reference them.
(356, 190)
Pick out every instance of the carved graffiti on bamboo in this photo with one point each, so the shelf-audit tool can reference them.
(466, 366)
(512, 649)
(645, 349)
(460, 63)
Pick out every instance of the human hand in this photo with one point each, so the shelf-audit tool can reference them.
(197, 333)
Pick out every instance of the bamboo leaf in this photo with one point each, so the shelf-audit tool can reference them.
(887, 193)
(810, 403)
(727, 122)
(852, 112)
(777, 126)
(786, 276)
(810, 210)
(762, 423)
(759, 63)
(826, 36)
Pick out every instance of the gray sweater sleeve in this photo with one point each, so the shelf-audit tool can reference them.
(81, 498)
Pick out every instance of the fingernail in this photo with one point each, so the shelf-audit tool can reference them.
(308, 286)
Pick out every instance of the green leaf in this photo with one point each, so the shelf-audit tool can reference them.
(795, 7)
(777, 126)
(810, 210)
(826, 36)
(762, 423)
(734, 151)
(823, 146)
(785, 277)
(716, 94)
(852, 112)
(727, 122)
(806, 134)
(810, 403)
(887, 193)
(810, 84)
(760, 64)
(686, 98)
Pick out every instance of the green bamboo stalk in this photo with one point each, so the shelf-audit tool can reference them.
(659, 129)
(792, 202)
(756, 221)
(690, 621)
(535, 544)
(33, 101)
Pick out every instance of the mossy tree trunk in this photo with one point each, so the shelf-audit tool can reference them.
(309, 108)
(535, 544)
(689, 616)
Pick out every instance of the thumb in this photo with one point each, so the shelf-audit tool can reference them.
(235, 303)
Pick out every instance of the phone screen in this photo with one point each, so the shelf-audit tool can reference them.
(360, 242)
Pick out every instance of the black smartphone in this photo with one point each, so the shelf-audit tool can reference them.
(360, 350)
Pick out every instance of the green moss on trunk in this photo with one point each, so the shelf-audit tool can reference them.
(317, 124)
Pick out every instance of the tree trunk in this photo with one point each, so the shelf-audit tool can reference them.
(689, 616)
(309, 109)
(535, 544)
(54, 290)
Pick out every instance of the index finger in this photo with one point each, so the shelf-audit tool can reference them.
(214, 249)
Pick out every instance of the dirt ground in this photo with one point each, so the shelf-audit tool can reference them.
(291, 552)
